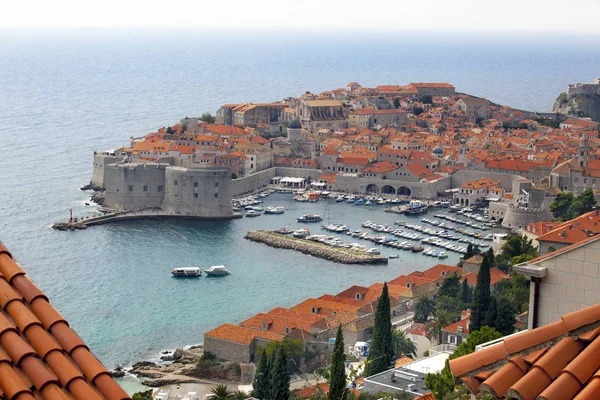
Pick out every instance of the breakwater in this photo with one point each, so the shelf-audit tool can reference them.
(340, 255)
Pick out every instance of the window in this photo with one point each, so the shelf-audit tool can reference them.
(452, 339)
(216, 184)
(145, 188)
(176, 183)
(160, 188)
(216, 195)
(131, 188)
(195, 195)
(195, 184)
(251, 165)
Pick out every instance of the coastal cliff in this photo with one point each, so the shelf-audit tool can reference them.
(579, 105)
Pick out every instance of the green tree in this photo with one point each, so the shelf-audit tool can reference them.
(492, 312)
(170, 131)
(424, 307)
(449, 304)
(441, 383)
(418, 111)
(402, 344)
(427, 99)
(380, 351)
(581, 204)
(471, 251)
(481, 297)
(239, 395)
(337, 377)
(146, 395)
(261, 379)
(450, 287)
(433, 327)
(466, 293)
(221, 392)
(208, 118)
(505, 318)
(561, 204)
(294, 349)
(280, 377)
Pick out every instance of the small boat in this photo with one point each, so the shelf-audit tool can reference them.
(373, 251)
(359, 202)
(283, 231)
(441, 254)
(416, 249)
(217, 270)
(368, 203)
(274, 210)
(310, 218)
(394, 256)
(339, 199)
(301, 233)
(87, 204)
(252, 213)
(190, 272)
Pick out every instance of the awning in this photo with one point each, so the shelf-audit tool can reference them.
(492, 199)
(453, 190)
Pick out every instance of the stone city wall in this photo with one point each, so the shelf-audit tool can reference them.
(227, 350)
(134, 186)
(427, 190)
(100, 163)
(204, 192)
(464, 176)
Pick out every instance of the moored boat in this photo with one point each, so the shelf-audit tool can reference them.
(189, 272)
(274, 210)
(217, 270)
(310, 218)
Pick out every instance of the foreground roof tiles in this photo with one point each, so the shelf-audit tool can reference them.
(41, 357)
(556, 361)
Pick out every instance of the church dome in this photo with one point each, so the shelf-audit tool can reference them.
(294, 124)
(437, 151)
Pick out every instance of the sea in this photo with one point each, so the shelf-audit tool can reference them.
(67, 93)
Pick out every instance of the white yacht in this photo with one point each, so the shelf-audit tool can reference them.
(274, 210)
(191, 272)
(252, 213)
(217, 270)
(301, 233)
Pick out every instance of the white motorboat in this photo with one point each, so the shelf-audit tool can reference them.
(339, 199)
(252, 213)
(310, 218)
(373, 251)
(190, 272)
(301, 233)
(274, 210)
(217, 270)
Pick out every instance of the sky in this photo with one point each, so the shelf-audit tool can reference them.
(540, 16)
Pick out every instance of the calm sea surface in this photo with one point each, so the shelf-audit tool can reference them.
(64, 95)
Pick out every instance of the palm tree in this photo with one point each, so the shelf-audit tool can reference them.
(424, 307)
(433, 327)
(222, 392)
(402, 344)
(239, 395)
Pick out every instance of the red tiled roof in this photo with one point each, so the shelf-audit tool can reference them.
(40, 355)
(555, 361)
(463, 323)
(353, 160)
(479, 183)
(575, 230)
(238, 334)
(441, 270)
(380, 167)
(310, 391)
(417, 329)
(495, 276)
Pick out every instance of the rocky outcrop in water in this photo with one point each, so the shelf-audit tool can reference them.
(98, 198)
(578, 105)
(340, 255)
(68, 226)
(91, 186)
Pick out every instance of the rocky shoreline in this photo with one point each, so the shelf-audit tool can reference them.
(179, 367)
(339, 255)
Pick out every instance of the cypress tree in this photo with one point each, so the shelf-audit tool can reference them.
(271, 365)
(505, 318)
(481, 297)
(490, 315)
(262, 378)
(380, 352)
(280, 377)
(337, 375)
(466, 294)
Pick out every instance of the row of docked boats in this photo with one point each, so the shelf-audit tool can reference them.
(255, 211)
(194, 272)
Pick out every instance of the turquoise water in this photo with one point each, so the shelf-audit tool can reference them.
(64, 95)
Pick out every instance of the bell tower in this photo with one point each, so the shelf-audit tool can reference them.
(462, 153)
(583, 153)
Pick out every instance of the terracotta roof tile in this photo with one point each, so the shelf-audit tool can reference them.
(34, 342)
(568, 367)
